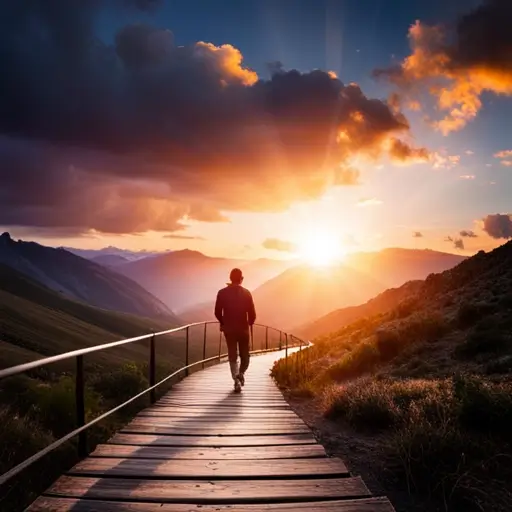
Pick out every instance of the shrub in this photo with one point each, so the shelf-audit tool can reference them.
(362, 359)
(389, 343)
(120, 384)
(482, 342)
(363, 404)
(449, 439)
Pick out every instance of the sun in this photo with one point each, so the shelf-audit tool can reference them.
(320, 249)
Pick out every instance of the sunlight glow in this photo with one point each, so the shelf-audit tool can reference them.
(321, 249)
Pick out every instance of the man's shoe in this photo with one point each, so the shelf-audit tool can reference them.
(241, 378)
(238, 386)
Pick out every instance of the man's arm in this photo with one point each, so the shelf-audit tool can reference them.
(251, 310)
(219, 309)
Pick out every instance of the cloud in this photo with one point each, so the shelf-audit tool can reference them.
(503, 154)
(467, 177)
(193, 123)
(369, 201)
(458, 243)
(417, 234)
(183, 237)
(469, 152)
(468, 234)
(456, 64)
(498, 225)
(506, 163)
(275, 244)
(440, 161)
(401, 152)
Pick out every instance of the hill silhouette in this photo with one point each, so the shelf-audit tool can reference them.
(182, 279)
(80, 279)
(301, 295)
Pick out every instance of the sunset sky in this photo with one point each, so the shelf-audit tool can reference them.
(247, 128)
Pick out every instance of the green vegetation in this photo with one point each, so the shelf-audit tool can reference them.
(35, 413)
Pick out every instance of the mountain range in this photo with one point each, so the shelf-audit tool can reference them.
(302, 294)
(182, 279)
(80, 279)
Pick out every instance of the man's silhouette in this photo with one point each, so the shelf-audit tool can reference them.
(234, 309)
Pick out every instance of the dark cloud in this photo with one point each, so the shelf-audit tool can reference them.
(279, 245)
(448, 239)
(457, 63)
(498, 225)
(417, 234)
(145, 128)
(458, 243)
(468, 234)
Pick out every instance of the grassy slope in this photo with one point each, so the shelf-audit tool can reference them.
(35, 320)
(431, 380)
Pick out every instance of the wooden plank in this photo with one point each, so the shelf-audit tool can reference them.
(212, 491)
(202, 411)
(220, 441)
(205, 453)
(46, 504)
(245, 404)
(219, 469)
(239, 419)
(215, 431)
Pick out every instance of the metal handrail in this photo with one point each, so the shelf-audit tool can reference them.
(80, 383)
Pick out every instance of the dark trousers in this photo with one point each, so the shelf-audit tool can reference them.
(238, 343)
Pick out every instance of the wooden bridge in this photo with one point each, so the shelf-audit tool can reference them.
(204, 447)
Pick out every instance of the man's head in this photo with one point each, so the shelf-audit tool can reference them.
(236, 276)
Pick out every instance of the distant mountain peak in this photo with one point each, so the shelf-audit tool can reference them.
(5, 236)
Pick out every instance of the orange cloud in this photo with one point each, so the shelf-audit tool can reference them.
(503, 154)
(279, 245)
(458, 73)
(400, 152)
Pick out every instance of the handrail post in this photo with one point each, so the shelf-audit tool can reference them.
(186, 352)
(266, 338)
(286, 347)
(80, 405)
(152, 365)
(204, 342)
(280, 340)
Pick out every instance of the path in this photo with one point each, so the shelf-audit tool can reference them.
(203, 447)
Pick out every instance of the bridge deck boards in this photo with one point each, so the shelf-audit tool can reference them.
(202, 444)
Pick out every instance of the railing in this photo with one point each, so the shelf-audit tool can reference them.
(82, 427)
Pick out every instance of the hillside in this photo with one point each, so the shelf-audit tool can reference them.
(420, 388)
(185, 278)
(303, 293)
(337, 319)
(458, 318)
(80, 279)
(36, 321)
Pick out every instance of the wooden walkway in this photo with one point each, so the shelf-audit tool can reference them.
(204, 448)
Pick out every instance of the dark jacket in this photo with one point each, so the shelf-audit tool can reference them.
(234, 308)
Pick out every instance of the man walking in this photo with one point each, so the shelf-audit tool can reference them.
(234, 309)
